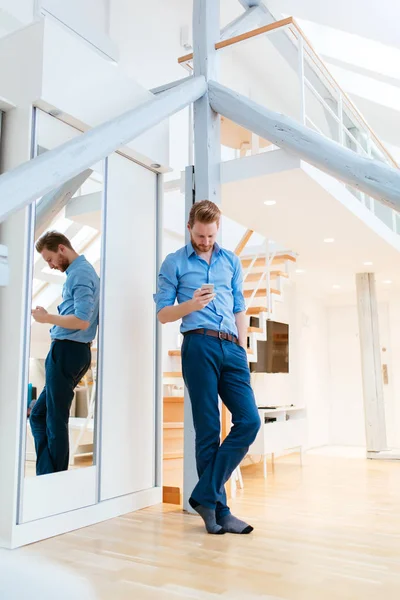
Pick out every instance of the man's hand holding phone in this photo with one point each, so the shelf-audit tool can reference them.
(203, 296)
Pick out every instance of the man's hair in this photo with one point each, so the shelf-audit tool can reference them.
(51, 241)
(204, 212)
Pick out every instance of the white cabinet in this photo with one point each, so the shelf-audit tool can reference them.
(281, 429)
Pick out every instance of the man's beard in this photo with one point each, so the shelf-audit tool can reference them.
(63, 264)
(202, 248)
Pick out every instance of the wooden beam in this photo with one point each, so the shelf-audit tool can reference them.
(206, 121)
(243, 242)
(374, 407)
(37, 177)
(372, 177)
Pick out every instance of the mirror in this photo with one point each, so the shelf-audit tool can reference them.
(65, 293)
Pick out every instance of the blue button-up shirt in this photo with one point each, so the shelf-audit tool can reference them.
(183, 272)
(80, 297)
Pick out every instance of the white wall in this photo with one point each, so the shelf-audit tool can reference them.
(91, 14)
(347, 412)
(128, 331)
(16, 142)
(94, 13)
(307, 383)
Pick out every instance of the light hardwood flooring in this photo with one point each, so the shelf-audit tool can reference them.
(329, 530)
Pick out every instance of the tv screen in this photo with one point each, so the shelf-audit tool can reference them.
(273, 354)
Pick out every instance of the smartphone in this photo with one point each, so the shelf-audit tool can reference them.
(208, 287)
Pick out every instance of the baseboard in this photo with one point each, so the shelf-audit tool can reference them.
(35, 531)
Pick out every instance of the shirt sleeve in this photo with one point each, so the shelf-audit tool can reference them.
(239, 304)
(167, 284)
(83, 295)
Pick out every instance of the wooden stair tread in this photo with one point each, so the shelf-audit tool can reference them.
(174, 353)
(251, 277)
(172, 455)
(177, 425)
(256, 310)
(260, 293)
(255, 330)
(173, 399)
(168, 374)
(260, 262)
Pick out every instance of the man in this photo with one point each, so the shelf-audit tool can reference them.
(214, 359)
(73, 331)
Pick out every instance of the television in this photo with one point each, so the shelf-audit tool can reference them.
(272, 354)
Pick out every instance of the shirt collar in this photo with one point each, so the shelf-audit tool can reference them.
(80, 259)
(190, 250)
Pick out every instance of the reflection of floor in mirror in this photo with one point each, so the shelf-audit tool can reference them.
(329, 529)
(80, 461)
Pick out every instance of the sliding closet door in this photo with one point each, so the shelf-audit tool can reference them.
(128, 412)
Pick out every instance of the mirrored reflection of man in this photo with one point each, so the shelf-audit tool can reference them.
(73, 330)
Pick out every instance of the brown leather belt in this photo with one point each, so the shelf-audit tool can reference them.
(217, 334)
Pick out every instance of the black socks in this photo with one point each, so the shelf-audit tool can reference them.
(208, 516)
(231, 524)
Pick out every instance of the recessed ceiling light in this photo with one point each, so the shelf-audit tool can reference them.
(300, 271)
(270, 202)
(368, 263)
(387, 281)
(336, 286)
(329, 240)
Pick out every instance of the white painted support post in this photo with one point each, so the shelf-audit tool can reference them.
(255, 144)
(302, 87)
(374, 408)
(191, 136)
(206, 174)
(268, 277)
(37, 177)
(4, 269)
(370, 176)
(206, 121)
(189, 458)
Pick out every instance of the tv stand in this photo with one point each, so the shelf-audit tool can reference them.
(282, 429)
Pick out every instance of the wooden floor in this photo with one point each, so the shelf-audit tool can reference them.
(329, 530)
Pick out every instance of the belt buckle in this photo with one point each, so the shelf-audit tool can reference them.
(220, 335)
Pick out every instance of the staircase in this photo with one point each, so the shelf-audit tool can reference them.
(264, 284)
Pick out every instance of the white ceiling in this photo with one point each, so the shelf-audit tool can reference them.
(304, 215)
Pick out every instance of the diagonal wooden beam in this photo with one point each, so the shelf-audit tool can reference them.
(243, 242)
(37, 177)
(370, 176)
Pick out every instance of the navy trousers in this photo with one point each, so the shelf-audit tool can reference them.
(211, 368)
(66, 364)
